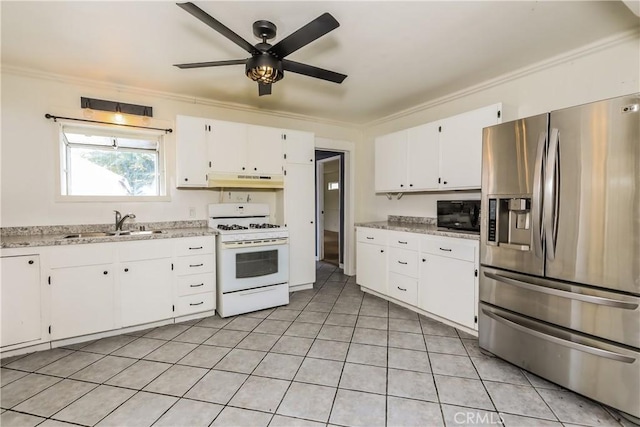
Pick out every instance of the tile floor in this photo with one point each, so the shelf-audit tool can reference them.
(333, 356)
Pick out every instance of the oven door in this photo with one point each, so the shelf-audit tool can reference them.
(248, 267)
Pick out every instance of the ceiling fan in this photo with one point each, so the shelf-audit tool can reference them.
(267, 63)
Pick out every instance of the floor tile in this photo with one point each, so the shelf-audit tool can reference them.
(243, 324)
(404, 325)
(433, 327)
(262, 394)
(55, 423)
(9, 375)
(312, 317)
(518, 400)
(571, 408)
(469, 417)
(16, 419)
(370, 336)
(241, 417)
(538, 382)
(303, 329)
(284, 314)
(398, 312)
(257, 341)
(465, 335)
(196, 335)
(170, 352)
(53, 399)
(370, 322)
(242, 361)
(25, 387)
(176, 380)
(139, 348)
(520, 421)
(282, 366)
(167, 332)
(309, 401)
(273, 326)
(449, 364)
(70, 364)
(407, 340)
(40, 359)
(473, 348)
(108, 345)
(447, 345)
(358, 409)
(260, 314)
(410, 360)
(494, 369)
(226, 338)
(336, 333)
(411, 384)
(319, 306)
(95, 405)
(6, 360)
(293, 345)
(463, 392)
(189, 413)
(407, 413)
(320, 371)
(103, 369)
(373, 311)
(282, 421)
(217, 387)
(204, 356)
(143, 409)
(139, 374)
(214, 322)
(347, 309)
(333, 350)
(372, 379)
(367, 354)
(78, 345)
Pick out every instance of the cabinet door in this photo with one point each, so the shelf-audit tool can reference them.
(447, 288)
(371, 267)
(264, 150)
(227, 149)
(82, 300)
(21, 318)
(391, 162)
(191, 149)
(299, 184)
(461, 147)
(299, 147)
(423, 157)
(146, 291)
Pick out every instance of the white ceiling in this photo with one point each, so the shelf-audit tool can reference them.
(396, 54)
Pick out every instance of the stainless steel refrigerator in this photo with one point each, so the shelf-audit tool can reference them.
(560, 248)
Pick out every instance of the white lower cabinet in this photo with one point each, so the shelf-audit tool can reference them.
(196, 275)
(146, 291)
(403, 288)
(20, 300)
(371, 259)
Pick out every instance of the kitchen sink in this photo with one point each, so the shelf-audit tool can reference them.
(89, 235)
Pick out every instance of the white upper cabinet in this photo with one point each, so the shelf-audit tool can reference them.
(299, 147)
(227, 146)
(423, 157)
(191, 146)
(264, 150)
(461, 147)
(391, 162)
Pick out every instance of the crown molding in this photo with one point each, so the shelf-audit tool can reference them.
(61, 78)
(516, 74)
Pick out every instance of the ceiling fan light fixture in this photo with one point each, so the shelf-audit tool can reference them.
(264, 69)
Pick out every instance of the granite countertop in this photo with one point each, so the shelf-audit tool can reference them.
(418, 225)
(23, 237)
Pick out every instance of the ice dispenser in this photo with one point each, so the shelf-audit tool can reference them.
(510, 222)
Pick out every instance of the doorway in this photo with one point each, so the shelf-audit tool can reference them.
(330, 207)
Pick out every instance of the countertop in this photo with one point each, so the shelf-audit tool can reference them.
(24, 237)
(420, 228)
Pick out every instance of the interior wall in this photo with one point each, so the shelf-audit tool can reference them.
(29, 150)
(331, 197)
(598, 72)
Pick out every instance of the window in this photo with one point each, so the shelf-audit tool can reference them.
(333, 186)
(99, 161)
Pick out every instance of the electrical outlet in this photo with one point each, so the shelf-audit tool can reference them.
(192, 212)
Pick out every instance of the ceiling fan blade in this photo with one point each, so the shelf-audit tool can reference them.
(264, 89)
(305, 35)
(311, 71)
(218, 26)
(211, 64)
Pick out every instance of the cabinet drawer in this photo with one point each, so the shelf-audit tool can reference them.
(196, 283)
(144, 249)
(197, 264)
(450, 248)
(372, 235)
(403, 261)
(196, 303)
(404, 241)
(195, 245)
(403, 288)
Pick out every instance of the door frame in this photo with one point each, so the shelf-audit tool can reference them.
(320, 205)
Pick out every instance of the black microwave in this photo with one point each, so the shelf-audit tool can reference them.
(462, 215)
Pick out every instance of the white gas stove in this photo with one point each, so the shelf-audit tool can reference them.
(252, 258)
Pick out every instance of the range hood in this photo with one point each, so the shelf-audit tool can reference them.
(235, 180)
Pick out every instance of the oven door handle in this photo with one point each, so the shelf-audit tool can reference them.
(251, 244)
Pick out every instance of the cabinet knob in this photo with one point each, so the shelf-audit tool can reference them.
(401, 185)
(311, 222)
(410, 185)
(444, 182)
(126, 270)
(255, 169)
(186, 179)
(311, 160)
(105, 272)
(30, 262)
(424, 260)
(381, 251)
(243, 168)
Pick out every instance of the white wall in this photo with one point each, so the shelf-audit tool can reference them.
(29, 150)
(603, 70)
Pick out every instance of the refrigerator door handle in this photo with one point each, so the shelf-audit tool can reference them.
(551, 194)
(561, 293)
(563, 342)
(536, 199)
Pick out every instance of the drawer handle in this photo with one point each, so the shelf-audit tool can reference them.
(105, 272)
(30, 262)
(196, 265)
(126, 270)
(369, 238)
(196, 286)
(445, 249)
(199, 247)
(198, 303)
(403, 263)
(401, 242)
(403, 290)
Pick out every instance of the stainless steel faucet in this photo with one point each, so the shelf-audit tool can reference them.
(121, 219)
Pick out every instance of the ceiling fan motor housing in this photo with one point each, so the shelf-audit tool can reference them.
(264, 68)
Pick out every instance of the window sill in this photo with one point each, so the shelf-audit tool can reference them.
(94, 199)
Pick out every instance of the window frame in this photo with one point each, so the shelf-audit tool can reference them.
(62, 175)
